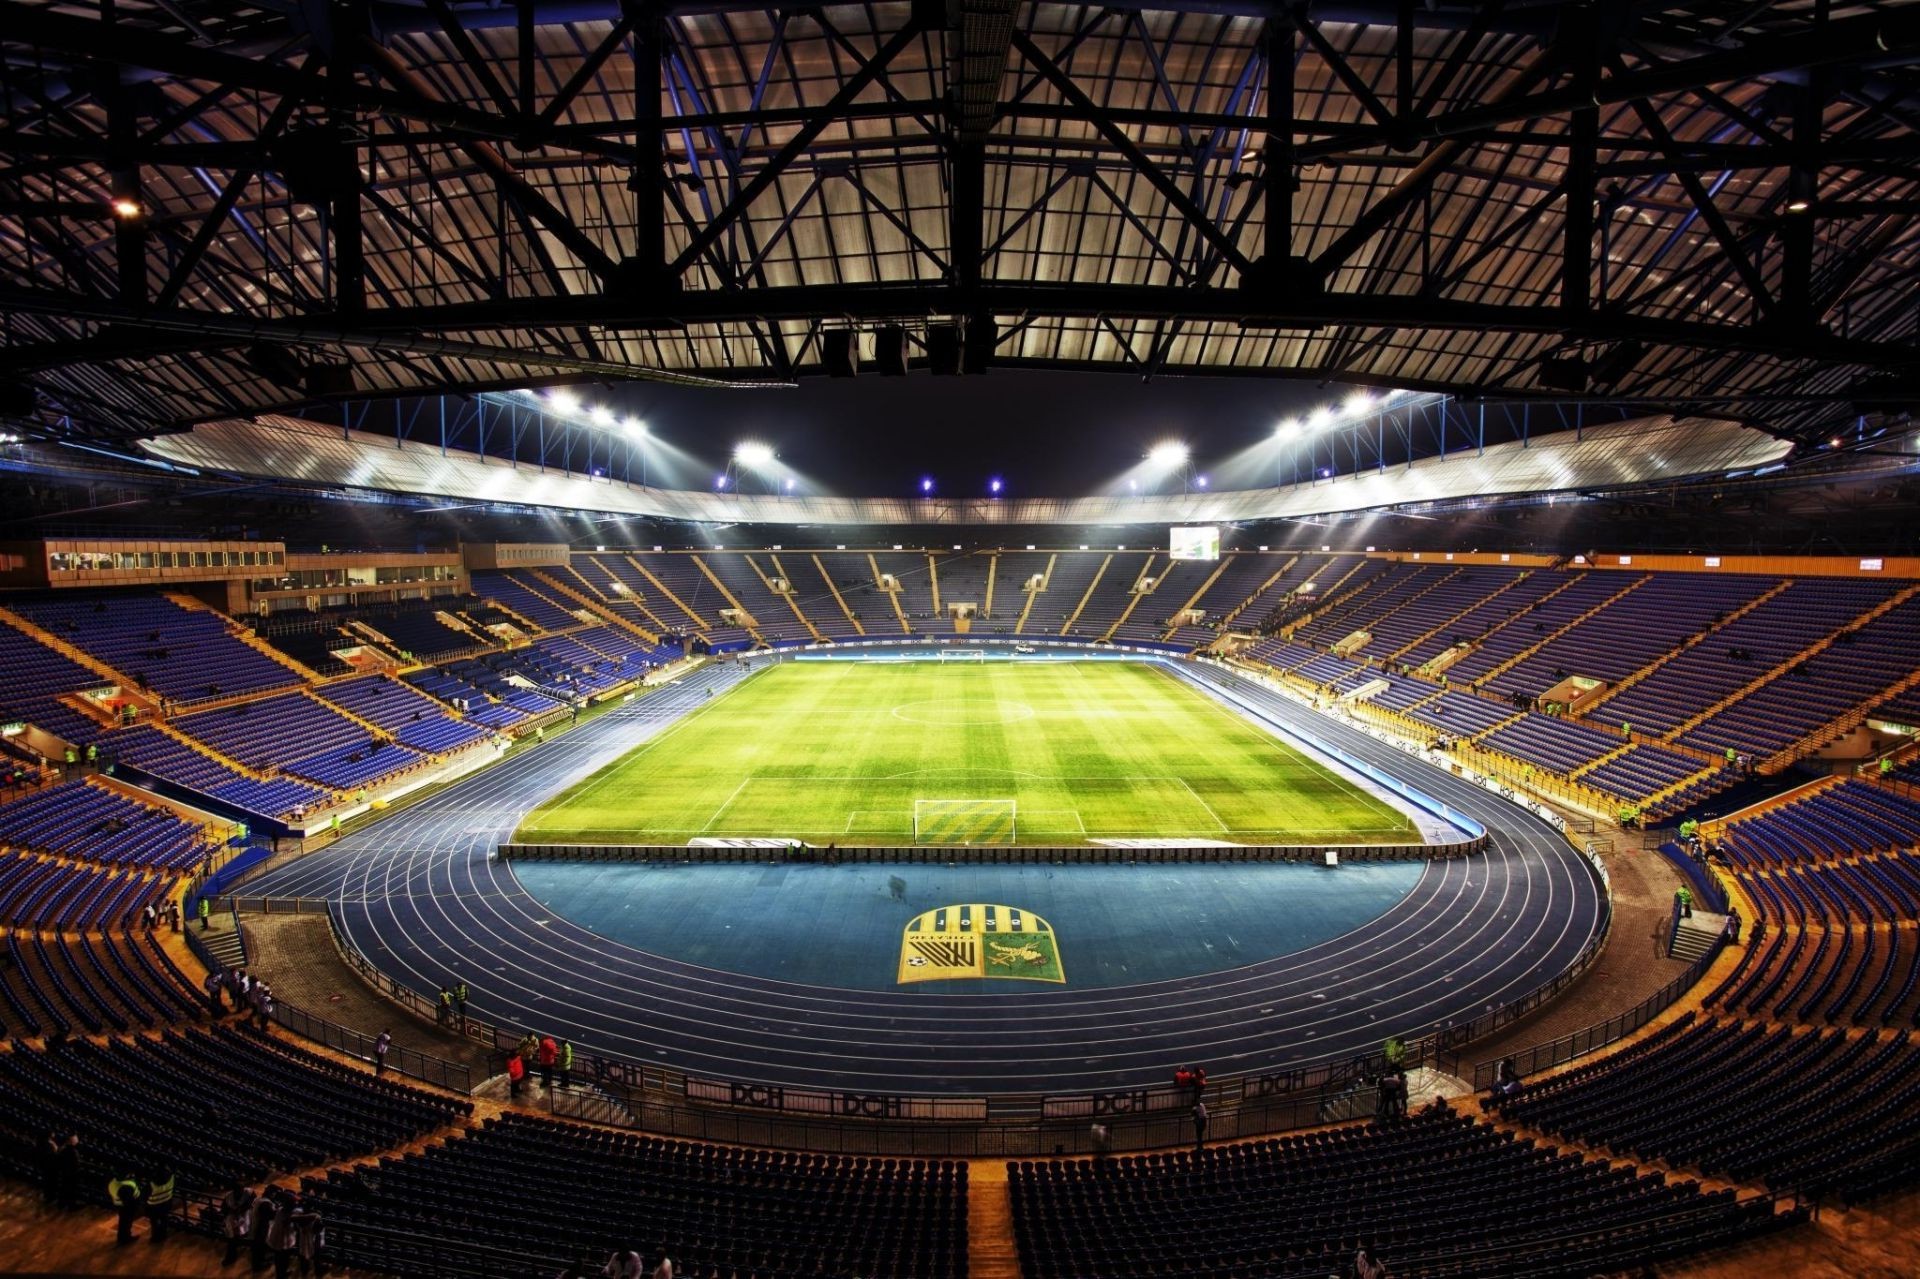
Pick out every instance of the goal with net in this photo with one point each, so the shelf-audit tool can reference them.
(963, 654)
(964, 821)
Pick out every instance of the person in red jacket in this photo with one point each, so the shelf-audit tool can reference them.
(547, 1054)
(516, 1071)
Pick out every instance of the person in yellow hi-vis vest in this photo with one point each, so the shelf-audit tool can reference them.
(123, 1192)
(159, 1204)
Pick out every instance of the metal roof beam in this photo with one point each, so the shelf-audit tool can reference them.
(907, 302)
(1147, 169)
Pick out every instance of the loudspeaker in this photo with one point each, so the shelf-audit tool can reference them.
(943, 349)
(277, 364)
(983, 334)
(840, 352)
(1564, 375)
(890, 351)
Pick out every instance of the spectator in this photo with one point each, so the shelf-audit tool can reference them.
(159, 1203)
(212, 986)
(664, 1270)
(516, 1071)
(66, 1173)
(1507, 1082)
(1365, 1267)
(123, 1192)
(282, 1237)
(48, 1162)
(625, 1264)
(259, 1220)
(1199, 1124)
(236, 1219)
(310, 1238)
(1102, 1138)
(547, 1054)
(380, 1047)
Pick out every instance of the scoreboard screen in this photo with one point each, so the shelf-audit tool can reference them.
(1200, 543)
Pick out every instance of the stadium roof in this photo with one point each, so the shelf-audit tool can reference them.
(211, 208)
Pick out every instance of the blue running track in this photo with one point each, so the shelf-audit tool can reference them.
(421, 895)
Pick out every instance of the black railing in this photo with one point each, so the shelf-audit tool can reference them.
(667, 1101)
(410, 1062)
(1557, 1052)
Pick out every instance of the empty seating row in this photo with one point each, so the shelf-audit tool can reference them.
(182, 653)
(91, 984)
(1433, 1195)
(1815, 1110)
(1862, 663)
(153, 751)
(1740, 652)
(87, 820)
(783, 1216)
(218, 1105)
(414, 720)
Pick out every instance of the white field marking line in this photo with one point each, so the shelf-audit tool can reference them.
(612, 767)
(1280, 745)
(727, 804)
(1204, 804)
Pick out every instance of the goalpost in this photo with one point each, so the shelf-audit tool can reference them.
(964, 821)
(963, 654)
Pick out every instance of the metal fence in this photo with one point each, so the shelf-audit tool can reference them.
(666, 1101)
(411, 1062)
(1557, 1052)
(681, 854)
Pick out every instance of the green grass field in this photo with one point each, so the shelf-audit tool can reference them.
(965, 752)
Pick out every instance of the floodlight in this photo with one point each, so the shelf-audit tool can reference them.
(1320, 417)
(1359, 404)
(993, 485)
(789, 484)
(128, 210)
(635, 427)
(565, 403)
(1793, 206)
(1199, 481)
(753, 453)
(1168, 453)
(1134, 485)
(1288, 428)
(600, 415)
(926, 484)
(719, 481)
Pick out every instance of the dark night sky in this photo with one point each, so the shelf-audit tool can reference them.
(1046, 433)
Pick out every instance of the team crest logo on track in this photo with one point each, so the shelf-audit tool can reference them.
(979, 941)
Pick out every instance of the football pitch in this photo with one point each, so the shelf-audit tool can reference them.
(957, 753)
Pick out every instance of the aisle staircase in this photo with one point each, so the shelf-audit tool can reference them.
(1455, 616)
(1026, 610)
(839, 599)
(1631, 586)
(789, 595)
(700, 623)
(1775, 672)
(747, 620)
(1086, 595)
